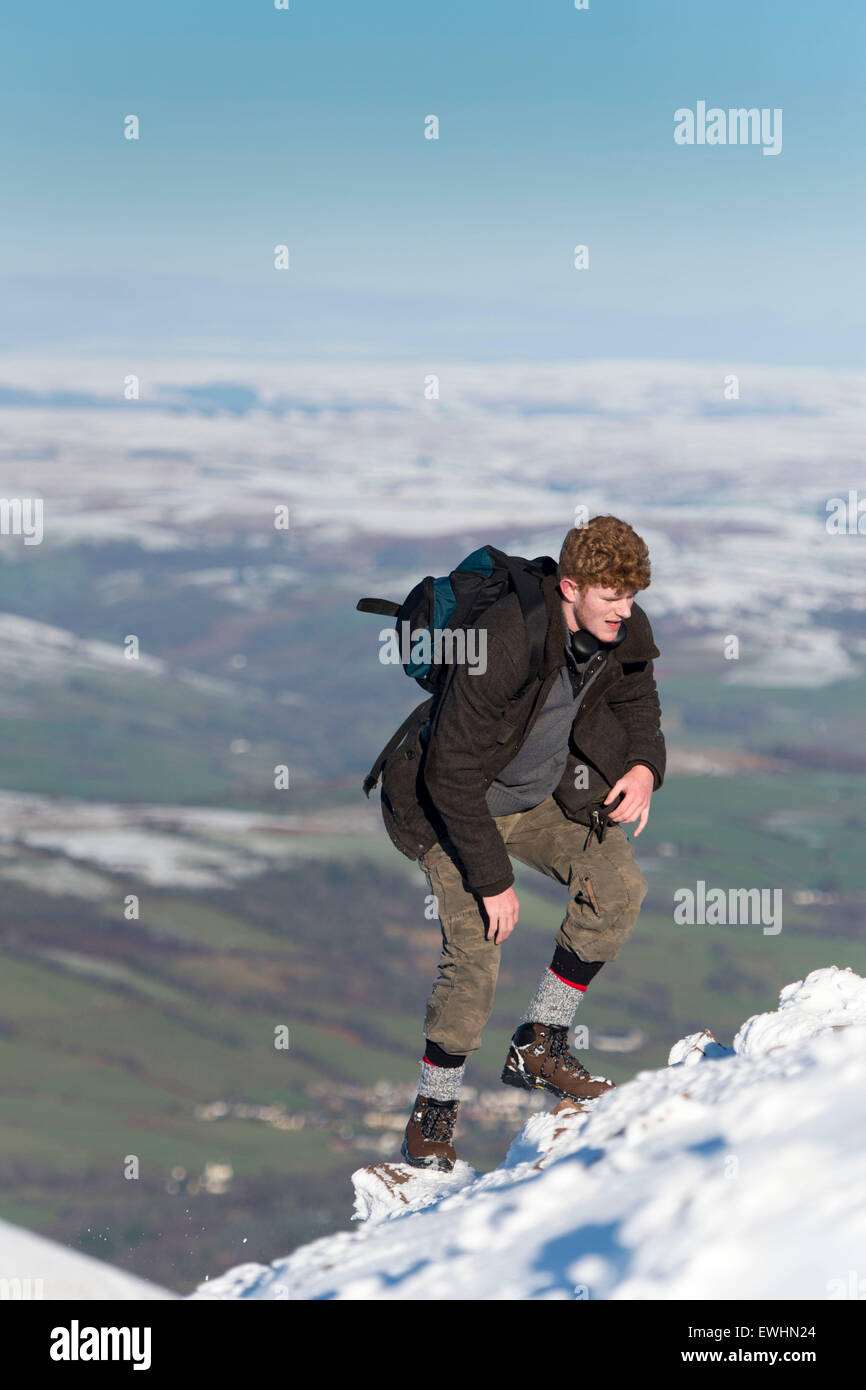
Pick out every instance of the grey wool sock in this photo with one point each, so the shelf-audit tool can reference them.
(555, 1001)
(440, 1083)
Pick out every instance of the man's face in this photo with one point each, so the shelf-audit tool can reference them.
(598, 610)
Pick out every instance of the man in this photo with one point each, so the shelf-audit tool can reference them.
(513, 771)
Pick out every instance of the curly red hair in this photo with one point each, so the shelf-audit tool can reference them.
(605, 553)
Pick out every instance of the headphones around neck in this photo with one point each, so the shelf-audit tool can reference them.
(585, 643)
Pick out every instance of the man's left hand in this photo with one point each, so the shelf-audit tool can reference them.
(638, 785)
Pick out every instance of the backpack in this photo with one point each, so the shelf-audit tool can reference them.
(455, 602)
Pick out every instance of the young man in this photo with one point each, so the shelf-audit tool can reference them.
(524, 773)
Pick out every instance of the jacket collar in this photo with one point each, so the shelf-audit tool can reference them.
(637, 645)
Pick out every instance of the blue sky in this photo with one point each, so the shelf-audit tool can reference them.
(305, 126)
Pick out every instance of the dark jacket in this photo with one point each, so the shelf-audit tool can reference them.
(434, 782)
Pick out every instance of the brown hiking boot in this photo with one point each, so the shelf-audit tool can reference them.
(427, 1141)
(539, 1059)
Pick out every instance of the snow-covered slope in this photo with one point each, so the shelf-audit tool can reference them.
(755, 489)
(730, 1173)
(32, 1267)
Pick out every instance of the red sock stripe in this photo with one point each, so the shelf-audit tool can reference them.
(582, 988)
(426, 1059)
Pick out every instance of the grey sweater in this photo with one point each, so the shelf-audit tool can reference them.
(538, 765)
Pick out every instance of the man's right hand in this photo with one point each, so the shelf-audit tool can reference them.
(502, 913)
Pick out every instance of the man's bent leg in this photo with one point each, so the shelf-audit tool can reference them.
(606, 887)
(547, 840)
(462, 997)
(605, 897)
(457, 1009)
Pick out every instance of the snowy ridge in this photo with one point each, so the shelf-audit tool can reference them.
(750, 484)
(33, 1267)
(730, 1173)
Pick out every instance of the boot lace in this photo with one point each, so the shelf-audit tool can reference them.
(438, 1121)
(558, 1050)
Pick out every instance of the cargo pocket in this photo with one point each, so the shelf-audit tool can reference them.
(587, 893)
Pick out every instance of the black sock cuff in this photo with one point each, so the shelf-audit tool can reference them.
(569, 966)
(439, 1057)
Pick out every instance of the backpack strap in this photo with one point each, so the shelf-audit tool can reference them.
(527, 580)
(378, 605)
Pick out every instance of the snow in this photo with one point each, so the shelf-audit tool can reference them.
(731, 1173)
(164, 845)
(32, 1267)
(351, 448)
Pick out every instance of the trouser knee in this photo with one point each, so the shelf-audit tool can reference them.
(461, 1001)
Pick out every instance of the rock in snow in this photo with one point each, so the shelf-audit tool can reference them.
(732, 1173)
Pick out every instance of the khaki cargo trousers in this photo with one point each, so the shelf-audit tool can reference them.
(606, 889)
